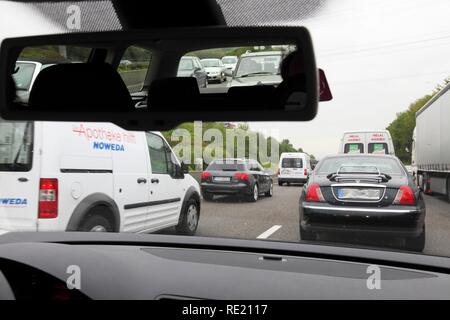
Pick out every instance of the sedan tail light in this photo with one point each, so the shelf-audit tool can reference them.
(48, 198)
(242, 176)
(205, 175)
(314, 193)
(405, 195)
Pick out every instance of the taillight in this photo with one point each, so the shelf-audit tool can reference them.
(48, 198)
(405, 195)
(241, 176)
(205, 175)
(278, 171)
(314, 193)
(305, 172)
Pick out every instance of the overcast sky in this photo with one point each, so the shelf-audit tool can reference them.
(379, 56)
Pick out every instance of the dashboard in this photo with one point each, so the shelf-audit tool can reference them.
(152, 267)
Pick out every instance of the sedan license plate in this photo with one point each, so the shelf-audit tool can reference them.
(222, 179)
(358, 194)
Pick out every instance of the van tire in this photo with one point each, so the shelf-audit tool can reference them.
(280, 183)
(189, 218)
(96, 223)
(269, 192)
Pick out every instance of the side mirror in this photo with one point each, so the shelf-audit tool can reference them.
(184, 168)
(228, 72)
(270, 172)
(197, 69)
(178, 171)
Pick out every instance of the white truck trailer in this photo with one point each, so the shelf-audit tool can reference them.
(431, 145)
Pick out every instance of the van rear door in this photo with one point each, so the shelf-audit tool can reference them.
(19, 176)
(377, 143)
(354, 143)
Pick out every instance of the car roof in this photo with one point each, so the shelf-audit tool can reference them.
(189, 57)
(293, 154)
(360, 155)
(262, 53)
(215, 59)
(366, 131)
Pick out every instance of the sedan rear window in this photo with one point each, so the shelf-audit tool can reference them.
(368, 165)
(226, 166)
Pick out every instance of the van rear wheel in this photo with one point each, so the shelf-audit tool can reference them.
(96, 223)
(189, 218)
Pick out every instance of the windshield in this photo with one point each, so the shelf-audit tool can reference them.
(210, 63)
(24, 75)
(372, 165)
(387, 66)
(229, 60)
(249, 65)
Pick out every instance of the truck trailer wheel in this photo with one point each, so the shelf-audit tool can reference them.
(448, 189)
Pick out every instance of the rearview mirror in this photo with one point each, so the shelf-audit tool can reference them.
(94, 91)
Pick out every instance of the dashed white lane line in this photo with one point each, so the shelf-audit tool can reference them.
(268, 232)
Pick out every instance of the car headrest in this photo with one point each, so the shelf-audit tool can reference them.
(11, 89)
(173, 93)
(292, 64)
(80, 87)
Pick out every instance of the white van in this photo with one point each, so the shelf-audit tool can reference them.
(294, 167)
(375, 142)
(68, 176)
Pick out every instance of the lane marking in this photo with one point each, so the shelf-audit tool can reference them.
(268, 232)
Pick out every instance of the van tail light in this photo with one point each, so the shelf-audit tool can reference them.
(205, 175)
(405, 195)
(314, 193)
(48, 198)
(242, 176)
(278, 172)
(305, 172)
(428, 186)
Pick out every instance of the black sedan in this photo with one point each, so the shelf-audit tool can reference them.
(363, 195)
(241, 177)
